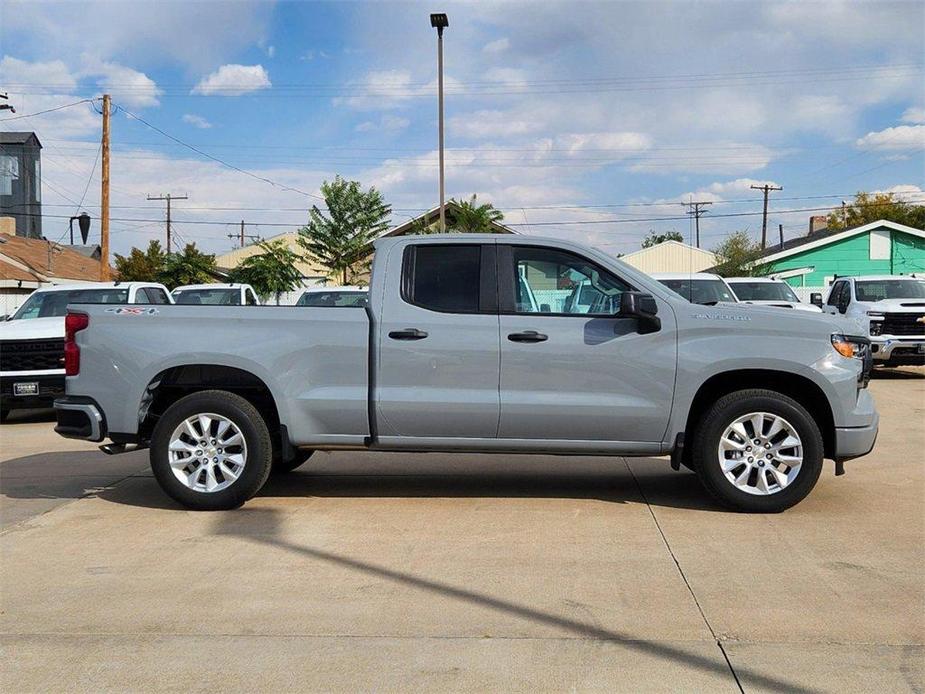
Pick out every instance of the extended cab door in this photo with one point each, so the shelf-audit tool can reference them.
(570, 369)
(438, 344)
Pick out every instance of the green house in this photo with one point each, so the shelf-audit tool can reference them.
(810, 263)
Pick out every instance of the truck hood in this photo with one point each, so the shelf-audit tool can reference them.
(32, 328)
(895, 305)
(787, 304)
(783, 321)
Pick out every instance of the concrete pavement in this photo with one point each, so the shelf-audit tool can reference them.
(437, 572)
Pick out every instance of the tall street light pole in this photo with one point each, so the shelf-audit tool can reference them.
(440, 22)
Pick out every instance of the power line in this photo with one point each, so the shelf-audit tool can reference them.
(696, 210)
(168, 198)
(48, 110)
(767, 188)
(216, 159)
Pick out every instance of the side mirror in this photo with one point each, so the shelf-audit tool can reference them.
(643, 308)
(816, 299)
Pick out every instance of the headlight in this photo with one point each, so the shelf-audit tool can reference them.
(847, 347)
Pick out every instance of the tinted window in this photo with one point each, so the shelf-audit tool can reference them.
(878, 290)
(251, 299)
(157, 296)
(699, 291)
(835, 294)
(763, 291)
(214, 297)
(551, 281)
(332, 298)
(443, 278)
(54, 304)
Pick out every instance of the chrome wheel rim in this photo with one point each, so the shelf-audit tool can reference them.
(207, 452)
(760, 453)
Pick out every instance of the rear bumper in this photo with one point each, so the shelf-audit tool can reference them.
(79, 418)
(49, 388)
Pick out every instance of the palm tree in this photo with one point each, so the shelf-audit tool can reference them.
(473, 218)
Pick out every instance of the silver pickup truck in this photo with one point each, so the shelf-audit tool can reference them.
(474, 343)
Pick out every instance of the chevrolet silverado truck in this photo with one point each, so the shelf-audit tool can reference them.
(450, 354)
(32, 339)
(890, 309)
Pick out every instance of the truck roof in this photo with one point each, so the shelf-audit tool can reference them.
(879, 278)
(98, 285)
(214, 285)
(339, 288)
(684, 276)
(768, 280)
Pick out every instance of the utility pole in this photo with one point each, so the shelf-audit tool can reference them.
(240, 236)
(440, 22)
(168, 198)
(104, 193)
(764, 219)
(780, 228)
(696, 209)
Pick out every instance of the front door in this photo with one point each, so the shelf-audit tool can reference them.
(569, 368)
(438, 343)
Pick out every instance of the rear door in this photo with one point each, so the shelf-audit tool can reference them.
(438, 368)
(571, 369)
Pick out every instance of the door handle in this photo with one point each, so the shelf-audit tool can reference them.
(408, 334)
(528, 336)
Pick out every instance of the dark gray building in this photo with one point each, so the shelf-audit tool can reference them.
(21, 182)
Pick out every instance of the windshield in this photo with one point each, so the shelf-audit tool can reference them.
(700, 291)
(764, 291)
(332, 298)
(878, 290)
(54, 304)
(212, 297)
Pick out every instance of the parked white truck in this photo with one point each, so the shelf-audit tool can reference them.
(765, 291)
(890, 310)
(32, 339)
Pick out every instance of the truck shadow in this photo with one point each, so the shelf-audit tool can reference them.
(907, 373)
(126, 479)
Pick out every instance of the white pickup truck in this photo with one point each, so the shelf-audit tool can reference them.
(32, 339)
(890, 309)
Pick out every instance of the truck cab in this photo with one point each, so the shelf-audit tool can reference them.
(890, 310)
(231, 294)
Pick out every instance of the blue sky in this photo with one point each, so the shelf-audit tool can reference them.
(592, 121)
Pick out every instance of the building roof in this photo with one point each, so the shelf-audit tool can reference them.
(801, 244)
(19, 138)
(232, 259)
(432, 216)
(28, 260)
(670, 256)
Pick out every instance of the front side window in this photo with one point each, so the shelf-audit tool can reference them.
(835, 294)
(251, 299)
(333, 298)
(878, 290)
(764, 291)
(700, 291)
(209, 297)
(54, 304)
(155, 295)
(442, 278)
(552, 281)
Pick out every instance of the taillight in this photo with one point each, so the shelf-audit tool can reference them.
(73, 324)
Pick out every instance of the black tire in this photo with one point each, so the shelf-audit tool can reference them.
(256, 436)
(725, 411)
(283, 466)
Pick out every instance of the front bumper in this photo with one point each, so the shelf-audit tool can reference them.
(49, 388)
(79, 418)
(858, 439)
(908, 351)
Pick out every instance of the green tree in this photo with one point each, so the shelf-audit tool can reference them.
(654, 238)
(341, 239)
(140, 266)
(474, 218)
(190, 266)
(270, 273)
(737, 255)
(871, 207)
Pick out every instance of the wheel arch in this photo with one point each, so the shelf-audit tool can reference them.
(802, 389)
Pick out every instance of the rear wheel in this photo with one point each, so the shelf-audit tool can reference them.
(211, 451)
(758, 451)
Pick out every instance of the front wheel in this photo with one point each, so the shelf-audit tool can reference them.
(211, 451)
(758, 451)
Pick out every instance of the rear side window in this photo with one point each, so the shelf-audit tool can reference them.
(155, 295)
(442, 278)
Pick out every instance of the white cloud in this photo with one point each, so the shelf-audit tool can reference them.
(196, 121)
(234, 80)
(906, 191)
(271, 51)
(898, 139)
(127, 86)
(492, 123)
(43, 78)
(508, 76)
(312, 54)
(739, 186)
(387, 123)
(708, 158)
(913, 114)
(497, 46)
